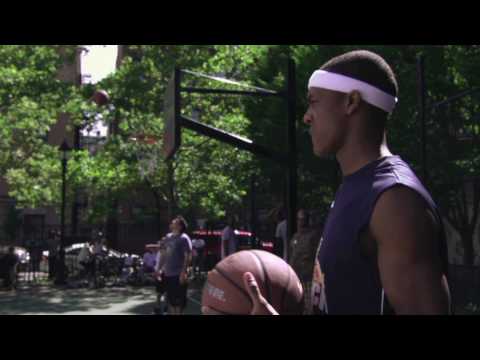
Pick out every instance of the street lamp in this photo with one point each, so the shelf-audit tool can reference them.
(100, 98)
(61, 273)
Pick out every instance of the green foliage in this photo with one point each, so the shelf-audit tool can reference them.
(32, 97)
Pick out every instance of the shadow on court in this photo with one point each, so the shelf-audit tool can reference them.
(49, 300)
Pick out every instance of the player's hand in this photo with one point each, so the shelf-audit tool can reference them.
(260, 304)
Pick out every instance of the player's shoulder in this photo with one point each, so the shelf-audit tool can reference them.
(401, 198)
(402, 209)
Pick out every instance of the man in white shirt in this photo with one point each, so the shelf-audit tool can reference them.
(85, 259)
(229, 239)
(161, 306)
(198, 254)
(149, 260)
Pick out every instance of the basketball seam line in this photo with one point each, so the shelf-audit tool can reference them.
(242, 290)
(267, 279)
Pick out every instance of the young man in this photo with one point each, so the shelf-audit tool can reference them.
(229, 239)
(383, 249)
(178, 250)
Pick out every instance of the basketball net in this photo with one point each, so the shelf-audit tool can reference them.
(148, 154)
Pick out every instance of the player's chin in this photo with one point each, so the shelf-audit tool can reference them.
(322, 151)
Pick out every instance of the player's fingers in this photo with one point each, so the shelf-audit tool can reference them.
(252, 287)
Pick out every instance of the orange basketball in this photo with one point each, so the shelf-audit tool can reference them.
(100, 97)
(224, 291)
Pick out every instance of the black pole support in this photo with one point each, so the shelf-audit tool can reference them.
(421, 113)
(292, 151)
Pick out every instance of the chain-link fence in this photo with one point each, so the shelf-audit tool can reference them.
(464, 284)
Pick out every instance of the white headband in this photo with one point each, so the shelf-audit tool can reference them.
(336, 82)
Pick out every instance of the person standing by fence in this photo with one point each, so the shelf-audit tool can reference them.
(302, 254)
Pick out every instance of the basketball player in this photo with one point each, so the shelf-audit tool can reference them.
(383, 249)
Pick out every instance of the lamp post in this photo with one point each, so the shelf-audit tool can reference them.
(61, 273)
(100, 98)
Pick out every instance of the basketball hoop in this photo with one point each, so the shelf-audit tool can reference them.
(148, 154)
(145, 139)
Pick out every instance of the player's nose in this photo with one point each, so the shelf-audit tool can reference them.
(307, 118)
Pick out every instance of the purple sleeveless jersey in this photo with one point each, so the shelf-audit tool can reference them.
(345, 281)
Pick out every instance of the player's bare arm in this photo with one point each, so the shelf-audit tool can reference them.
(406, 234)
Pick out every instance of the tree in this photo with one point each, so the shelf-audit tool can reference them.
(32, 98)
(455, 156)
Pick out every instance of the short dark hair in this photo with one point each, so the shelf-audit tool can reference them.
(371, 68)
(182, 222)
(365, 66)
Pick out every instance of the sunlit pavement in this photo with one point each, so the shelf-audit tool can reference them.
(46, 299)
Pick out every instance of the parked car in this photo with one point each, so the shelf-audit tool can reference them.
(72, 252)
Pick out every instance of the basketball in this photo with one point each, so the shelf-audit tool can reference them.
(100, 97)
(224, 291)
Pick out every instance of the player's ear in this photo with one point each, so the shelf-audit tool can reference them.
(353, 100)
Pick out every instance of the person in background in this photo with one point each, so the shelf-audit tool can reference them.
(149, 260)
(229, 239)
(53, 242)
(281, 236)
(302, 254)
(178, 250)
(161, 307)
(198, 256)
(86, 260)
(10, 261)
